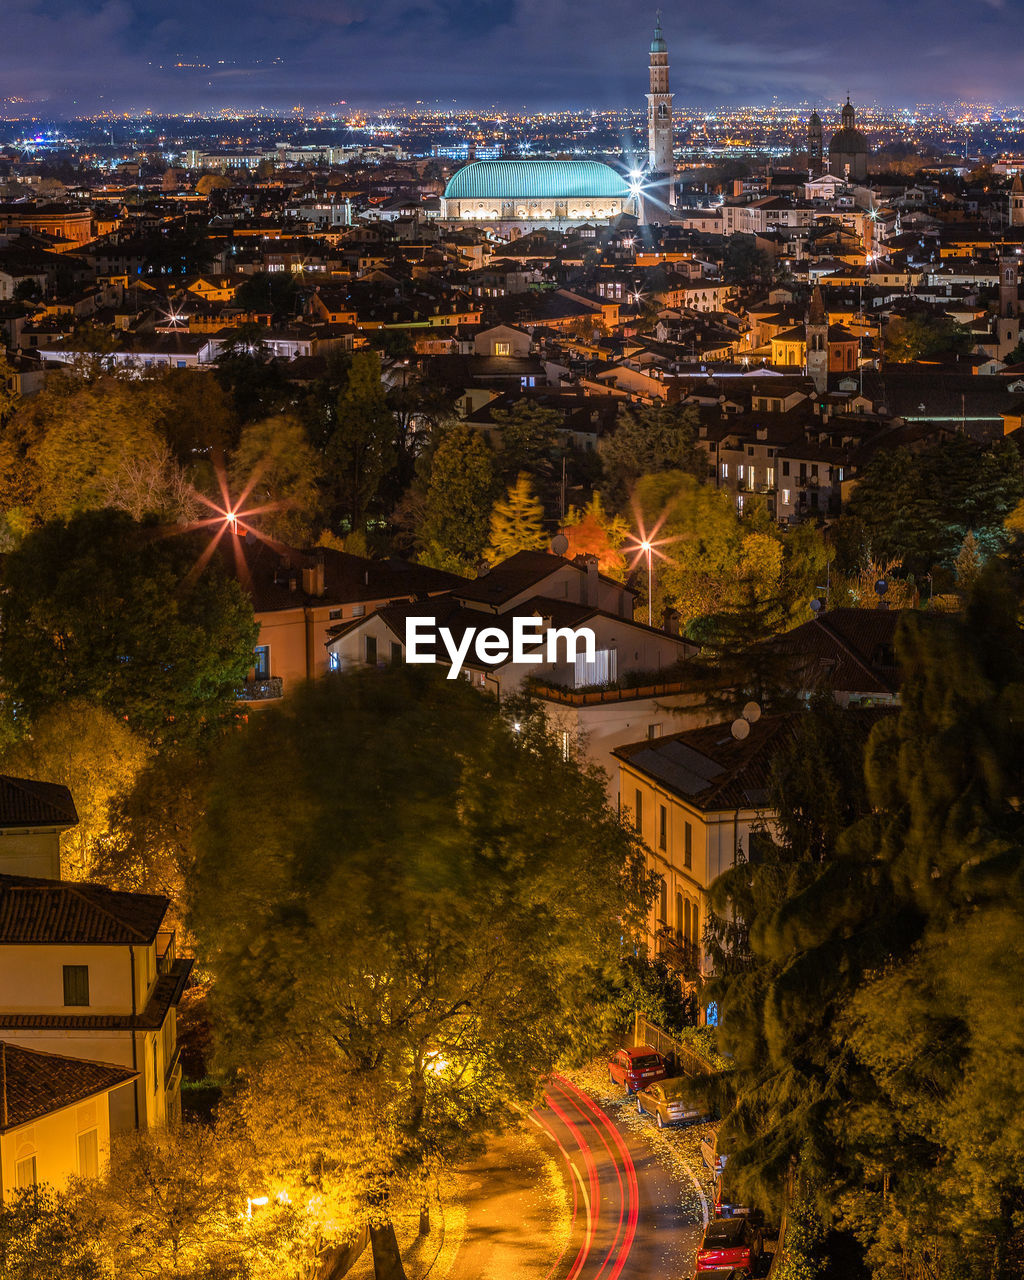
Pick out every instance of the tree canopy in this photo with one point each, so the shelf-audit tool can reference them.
(400, 951)
(103, 609)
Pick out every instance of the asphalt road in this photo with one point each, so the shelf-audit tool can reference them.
(630, 1221)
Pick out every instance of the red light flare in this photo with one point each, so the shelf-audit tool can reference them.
(232, 516)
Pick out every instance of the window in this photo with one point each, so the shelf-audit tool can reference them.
(359, 611)
(335, 614)
(740, 472)
(687, 845)
(603, 670)
(663, 902)
(333, 661)
(261, 661)
(503, 348)
(785, 495)
(686, 922)
(770, 477)
(725, 471)
(679, 914)
(25, 1173)
(76, 984)
(653, 731)
(662, 827)
(89, 1154)
(156, 1063)
(638, 811)
(785, 467)
(371, 651)
(396, 651)
(693, 924)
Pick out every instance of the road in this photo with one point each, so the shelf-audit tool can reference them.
(630, 1221)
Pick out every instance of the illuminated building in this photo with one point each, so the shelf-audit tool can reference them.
(661, 155)
(534, 193)
(848, 150)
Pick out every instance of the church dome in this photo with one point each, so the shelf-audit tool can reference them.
(537, 179)
(658, 44)
(848, 142)
(815, 119)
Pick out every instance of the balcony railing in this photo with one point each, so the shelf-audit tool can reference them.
(261, 690)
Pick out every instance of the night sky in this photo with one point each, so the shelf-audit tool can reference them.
(71, 56)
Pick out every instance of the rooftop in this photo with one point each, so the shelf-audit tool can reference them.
(540, 179)
(34, 1084)
(24, 803)
(57, 911)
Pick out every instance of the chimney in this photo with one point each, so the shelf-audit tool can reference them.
(670, 622)
(591, 584)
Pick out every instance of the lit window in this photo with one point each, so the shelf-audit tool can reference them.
(333, 661)
(603, 670)
(785, 495)
(725, 471)
(261, 661)
(503, 348)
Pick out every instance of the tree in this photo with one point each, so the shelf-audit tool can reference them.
(869, 1014)
(422, 975)
(529, 439)
(43, 1234)
(97, 757)
(74, 440)
(592, 532)
(278, 469)
(103, 609)
(919, 507)
(149, 483)
(211, 182)
(516, 523)
(917, 337)
(647, 441)
(362, 448)
(457, 507)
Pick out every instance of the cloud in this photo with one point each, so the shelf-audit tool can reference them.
(540, 53)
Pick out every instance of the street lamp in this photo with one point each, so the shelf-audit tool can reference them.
(648, 549)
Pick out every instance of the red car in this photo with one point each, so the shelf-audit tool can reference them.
(636, 1068)
(728, 1242)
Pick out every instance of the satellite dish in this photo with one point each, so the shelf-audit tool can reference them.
(740, 729)
(881, 587)
(816, 606)
(559, 544)
(752, 713)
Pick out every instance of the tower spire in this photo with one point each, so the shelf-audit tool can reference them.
(661, 152)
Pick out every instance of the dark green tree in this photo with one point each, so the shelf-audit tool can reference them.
(362, 448)
(457, 510)
(647, 441)
(403, 947)
(104, 609)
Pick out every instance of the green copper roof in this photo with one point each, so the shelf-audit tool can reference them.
(658, 44)
(536, 180)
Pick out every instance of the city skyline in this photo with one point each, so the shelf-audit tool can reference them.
(86, 56)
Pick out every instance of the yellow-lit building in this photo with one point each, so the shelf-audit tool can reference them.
(54, 1118)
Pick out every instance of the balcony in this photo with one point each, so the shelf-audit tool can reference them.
(264, 690)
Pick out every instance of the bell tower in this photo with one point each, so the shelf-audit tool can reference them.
(815, 153)
(661, 153)
(816, 331)
(1008, 323)
(1017, 203)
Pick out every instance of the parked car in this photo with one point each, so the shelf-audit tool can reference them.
(728, 1243)
(727, 1203)
(671, 1102)
(636, 1068)
(712, 1157)
(724, 1273)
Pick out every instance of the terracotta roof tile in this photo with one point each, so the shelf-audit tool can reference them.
(34, 1084)
(57, 911)
(24, 803)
